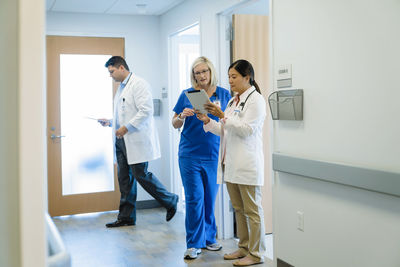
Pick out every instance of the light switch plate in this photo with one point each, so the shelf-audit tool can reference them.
(300, 221)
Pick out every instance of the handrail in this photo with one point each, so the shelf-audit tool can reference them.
(370, 179)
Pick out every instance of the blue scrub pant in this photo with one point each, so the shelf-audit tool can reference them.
(199, 178)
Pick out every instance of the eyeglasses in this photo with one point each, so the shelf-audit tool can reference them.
(198, 73)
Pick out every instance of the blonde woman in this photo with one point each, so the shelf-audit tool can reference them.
(198, 159)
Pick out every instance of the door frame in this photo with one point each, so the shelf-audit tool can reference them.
(173, 97)
(76, 203)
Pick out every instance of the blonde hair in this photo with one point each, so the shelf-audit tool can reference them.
(213, 76)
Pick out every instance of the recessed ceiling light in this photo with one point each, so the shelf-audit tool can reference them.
(141, 8)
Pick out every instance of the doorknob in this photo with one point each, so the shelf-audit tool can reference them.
(53, 136)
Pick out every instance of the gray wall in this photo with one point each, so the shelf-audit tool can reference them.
(9, 191)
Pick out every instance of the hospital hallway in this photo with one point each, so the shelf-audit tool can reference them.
(152, 242)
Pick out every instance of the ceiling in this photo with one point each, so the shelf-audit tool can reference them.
(116, 7)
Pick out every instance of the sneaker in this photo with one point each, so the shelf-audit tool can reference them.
(191, 253)
(214, 247)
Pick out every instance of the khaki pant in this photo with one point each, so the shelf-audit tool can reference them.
(246, 200)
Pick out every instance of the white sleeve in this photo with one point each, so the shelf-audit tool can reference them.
(214, 127)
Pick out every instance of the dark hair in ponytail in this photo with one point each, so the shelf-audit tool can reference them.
(245, 69)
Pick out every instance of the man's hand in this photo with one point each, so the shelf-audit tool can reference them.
(121, 132)
(104, 122)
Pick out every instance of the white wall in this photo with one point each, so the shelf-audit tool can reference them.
(142, 53)
(190, 12)
(345, 55)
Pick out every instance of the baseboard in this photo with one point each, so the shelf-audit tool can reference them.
(281, 263)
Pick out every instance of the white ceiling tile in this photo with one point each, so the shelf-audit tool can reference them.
(120, 7)
(82, 6)
(171, 4)
(153, 7)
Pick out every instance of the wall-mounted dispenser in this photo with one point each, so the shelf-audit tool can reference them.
(286, 104)
(157, 107)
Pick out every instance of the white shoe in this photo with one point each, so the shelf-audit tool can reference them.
(214, 247)
(191, 253)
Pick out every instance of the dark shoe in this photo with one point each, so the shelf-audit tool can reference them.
(171, 211)
(119, 223)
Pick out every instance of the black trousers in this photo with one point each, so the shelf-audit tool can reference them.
(127, 177)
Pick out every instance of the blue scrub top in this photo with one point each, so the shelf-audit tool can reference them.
(195, 143)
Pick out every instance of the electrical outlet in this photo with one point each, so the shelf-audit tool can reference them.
(300, 221)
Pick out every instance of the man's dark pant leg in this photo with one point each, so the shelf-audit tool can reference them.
(127, 184)
(152, 185)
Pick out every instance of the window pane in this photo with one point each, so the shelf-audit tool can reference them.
(86, 149)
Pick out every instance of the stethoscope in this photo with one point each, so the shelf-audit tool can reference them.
(243, 103)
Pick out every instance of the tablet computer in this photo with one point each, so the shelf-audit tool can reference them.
(198, 98)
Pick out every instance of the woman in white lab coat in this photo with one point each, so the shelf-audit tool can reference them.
(241, 159)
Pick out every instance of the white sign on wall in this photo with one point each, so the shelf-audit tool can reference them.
(284, 76)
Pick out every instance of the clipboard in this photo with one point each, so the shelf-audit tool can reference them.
(198, 98)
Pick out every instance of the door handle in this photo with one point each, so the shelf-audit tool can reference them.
(53, 136)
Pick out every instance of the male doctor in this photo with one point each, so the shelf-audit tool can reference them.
(136, 143)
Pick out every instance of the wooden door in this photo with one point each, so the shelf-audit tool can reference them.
(251, 42)
(58, 49)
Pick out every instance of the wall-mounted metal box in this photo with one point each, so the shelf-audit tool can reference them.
(286, 104)
(157, 107)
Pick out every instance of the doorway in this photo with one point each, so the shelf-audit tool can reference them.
(184, 49)
(81, 173)
(238, 25)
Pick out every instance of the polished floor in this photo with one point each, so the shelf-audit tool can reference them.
(152, 242)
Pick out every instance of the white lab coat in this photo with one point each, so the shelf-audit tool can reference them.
(241, 138)
(135, 106)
